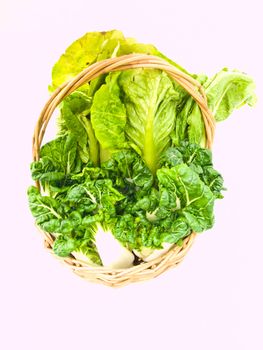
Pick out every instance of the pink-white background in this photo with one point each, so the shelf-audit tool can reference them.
(213, 300)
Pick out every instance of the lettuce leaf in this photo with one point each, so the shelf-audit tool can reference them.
(90, 48)
(135, 108)
(108, 117)
(198, 159)
(229, 90)
(59, 159)
(74, 119)
(226, 91)
(150, 100)
(93, 47)
(195, 198)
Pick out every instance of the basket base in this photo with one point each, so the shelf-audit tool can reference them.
(121, 277)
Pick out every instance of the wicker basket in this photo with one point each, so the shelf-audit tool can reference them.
(145, 270)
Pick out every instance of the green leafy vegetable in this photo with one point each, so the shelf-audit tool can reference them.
(44, 209)
(74, 119)
(108, 117)
(150, 100)
(128, 170)
(97, 46)
(189, 195)
(226, 91)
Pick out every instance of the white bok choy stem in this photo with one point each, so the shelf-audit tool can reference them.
(112, 253)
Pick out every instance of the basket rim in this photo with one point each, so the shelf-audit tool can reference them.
(145, 270)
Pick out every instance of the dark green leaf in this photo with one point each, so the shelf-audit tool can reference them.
(63, 246)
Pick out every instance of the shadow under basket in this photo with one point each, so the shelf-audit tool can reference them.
(143, 270)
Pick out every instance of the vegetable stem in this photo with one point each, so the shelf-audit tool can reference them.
(93, 143)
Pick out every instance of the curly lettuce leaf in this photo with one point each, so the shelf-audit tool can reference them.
(193, 197)
(178, 230)
(135, 108)
(59, 159)
(184, 110)
(64, 245)
(90, 48)
(129, 172)
(47, 211)
(198, 159)
(150, 101)
(229, 90)
(108, 117)
(180, 202)
(71, 217)
(93, 47)
(74, 119)
(226, 91)
(84, 250)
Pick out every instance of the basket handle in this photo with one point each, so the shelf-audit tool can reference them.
(192, 86)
